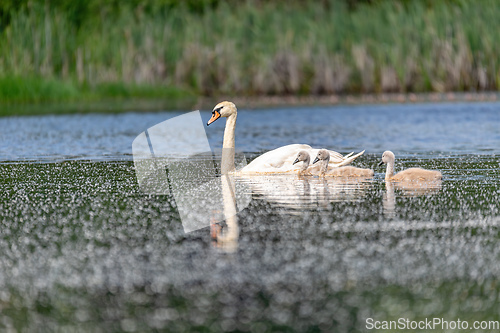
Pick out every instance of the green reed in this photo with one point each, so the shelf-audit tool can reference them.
(263, 48)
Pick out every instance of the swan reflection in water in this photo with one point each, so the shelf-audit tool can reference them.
(303, 192)
(289, 191)
(407, 189)
(296, 193)
(227, 238)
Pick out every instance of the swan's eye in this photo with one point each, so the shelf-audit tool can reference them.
(215, 115)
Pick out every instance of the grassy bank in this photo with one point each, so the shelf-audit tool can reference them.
(20, 89)
(253, 48)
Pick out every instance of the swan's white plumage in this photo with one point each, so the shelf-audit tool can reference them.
(279, 160)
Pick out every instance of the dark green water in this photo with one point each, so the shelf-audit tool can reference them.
(83, 249)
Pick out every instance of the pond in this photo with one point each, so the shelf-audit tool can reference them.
(82, 248)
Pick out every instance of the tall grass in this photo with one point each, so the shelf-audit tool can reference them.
(262, 48)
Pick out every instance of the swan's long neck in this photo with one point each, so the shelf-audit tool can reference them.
(324, 167)
(227, 162)
(389, 172)
(229, 131)
(305, 164)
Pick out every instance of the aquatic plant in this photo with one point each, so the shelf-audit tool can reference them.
(262, 48)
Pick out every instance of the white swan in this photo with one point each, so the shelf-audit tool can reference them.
(303, 156)
(279, 160)
(411, 174)
(346, 171)
(307, 169)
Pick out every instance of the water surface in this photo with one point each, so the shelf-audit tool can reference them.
(453, 128)
(82, 248)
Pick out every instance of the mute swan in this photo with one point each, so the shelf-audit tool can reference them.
(306, 169)
(346, 171)
(411, 174)
(302, 156)
(279, 160)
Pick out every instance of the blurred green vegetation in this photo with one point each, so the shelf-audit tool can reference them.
(52, 50)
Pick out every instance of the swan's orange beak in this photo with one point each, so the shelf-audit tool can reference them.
(215, 116)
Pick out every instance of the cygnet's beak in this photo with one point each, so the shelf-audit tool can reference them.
(381, 162)
(296, 161)
(316, 160)
(215, 116)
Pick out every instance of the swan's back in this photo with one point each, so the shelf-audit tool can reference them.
(280, 160)
(417, 174)
(276, 160)
(350, 171)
